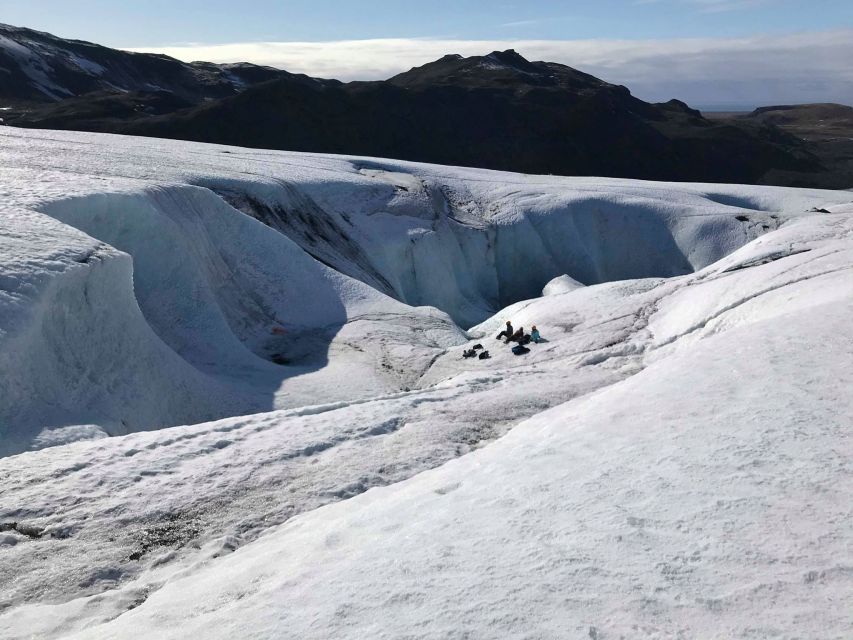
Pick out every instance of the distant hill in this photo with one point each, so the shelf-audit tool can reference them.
(810, 121)
(38, 67)
(497, 111)
(826, 127)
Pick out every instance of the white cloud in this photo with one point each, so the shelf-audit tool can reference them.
(727, 5)
(802, 67)
(714, 6)
(521, 23)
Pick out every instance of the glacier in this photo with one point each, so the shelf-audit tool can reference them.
(233, 399)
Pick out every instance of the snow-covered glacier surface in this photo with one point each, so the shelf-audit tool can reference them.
(673, 461)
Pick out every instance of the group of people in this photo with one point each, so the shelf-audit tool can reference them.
(511, 335)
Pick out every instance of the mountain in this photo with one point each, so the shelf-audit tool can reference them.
(673, 462)
(826, 128)
(498, 111)
(809, 121)
(39, 67)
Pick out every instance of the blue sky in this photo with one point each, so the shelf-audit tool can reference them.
(706, 52)
(163, 22)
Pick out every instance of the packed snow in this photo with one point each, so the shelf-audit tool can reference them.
(673, 460)
(561, 284)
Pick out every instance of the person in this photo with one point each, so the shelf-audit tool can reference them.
(506, 333)
(518, 336)
(534, 335)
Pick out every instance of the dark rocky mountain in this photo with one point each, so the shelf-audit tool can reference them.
(37, 67)
(827, 129)
(812, 120)
(499, 68)
(103, 111)
(498, 111)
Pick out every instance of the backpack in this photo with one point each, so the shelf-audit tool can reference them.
(485, 355)
(520, 350)
(469, 353)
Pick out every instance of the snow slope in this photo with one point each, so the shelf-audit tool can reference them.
(208, 283)
(643, 511)
(679, 459)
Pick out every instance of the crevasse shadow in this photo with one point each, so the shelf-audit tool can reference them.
(237, 307)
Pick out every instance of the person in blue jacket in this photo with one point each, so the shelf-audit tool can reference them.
(534, 335)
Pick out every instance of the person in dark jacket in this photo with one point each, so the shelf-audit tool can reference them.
(518, 336)
(506, 333)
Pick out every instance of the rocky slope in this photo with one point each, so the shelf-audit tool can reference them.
(40, 68)
(498, 111)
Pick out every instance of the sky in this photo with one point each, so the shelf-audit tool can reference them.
(707, 52)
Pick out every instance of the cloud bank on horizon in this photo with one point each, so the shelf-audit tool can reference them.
(755, 70)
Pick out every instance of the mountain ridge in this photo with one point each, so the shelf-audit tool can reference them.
(455, 111)
(496, 111)
(43, 68)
